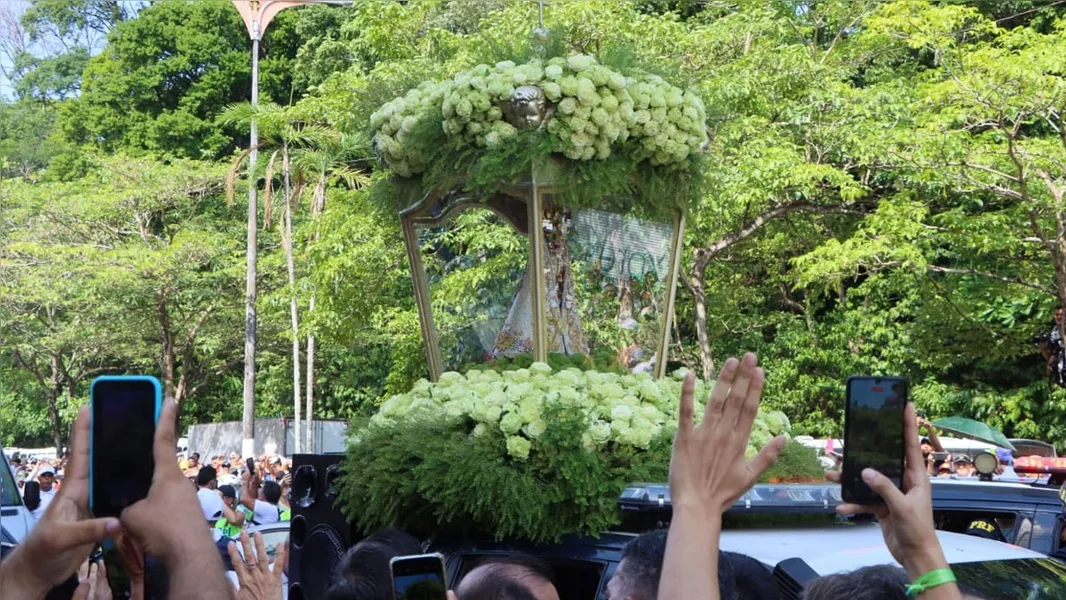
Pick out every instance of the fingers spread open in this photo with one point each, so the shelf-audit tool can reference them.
(688, 389)
(720, 391)
(261, 554)
(749, 408)
(738, 393)
(765, 458)
(237, 561)
(281, 558)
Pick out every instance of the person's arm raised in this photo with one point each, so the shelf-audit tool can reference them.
(170, 526)
(907, 517)
(249, 489)
(707, 475)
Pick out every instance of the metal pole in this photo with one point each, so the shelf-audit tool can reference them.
(251, 288)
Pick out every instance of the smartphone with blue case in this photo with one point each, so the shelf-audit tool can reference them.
(124, 411)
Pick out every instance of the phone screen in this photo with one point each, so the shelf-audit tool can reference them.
(873, 434)
(419, 577)
(123, 429)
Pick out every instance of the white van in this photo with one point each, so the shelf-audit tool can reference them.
(15, 520)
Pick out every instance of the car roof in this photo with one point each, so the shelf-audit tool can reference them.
(994, 490)
(847, 547)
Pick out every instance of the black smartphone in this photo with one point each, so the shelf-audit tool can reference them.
(873, 435)
(250, 463)
(124, 411)
(418, 577)
(941, 456)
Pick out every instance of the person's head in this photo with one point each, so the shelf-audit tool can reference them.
(363, 573)
(401, 542)
(964, 466)
(637, 575)
(927, 447)
(194, 460)
(516, 577)
(752, 579)
(1058, 315)
(270, 492)
(234, 457)
(229, 495)
(207, 478)
(46, 476)
(16, 462)
(277, 464)
(879, 582)
(944, 470)
(216, 462)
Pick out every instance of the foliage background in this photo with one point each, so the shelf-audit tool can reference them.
(882, 190)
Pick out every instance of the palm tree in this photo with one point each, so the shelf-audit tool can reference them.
(307, 151)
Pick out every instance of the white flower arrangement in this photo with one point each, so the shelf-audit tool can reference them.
(596, 111)
(627, 410)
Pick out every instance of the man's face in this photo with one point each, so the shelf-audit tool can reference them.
(46, 480)
(193, 462)
(964, 469)
(1058, 316)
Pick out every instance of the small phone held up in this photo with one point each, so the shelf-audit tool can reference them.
(124, 411)
(873, 435)
(419, 577)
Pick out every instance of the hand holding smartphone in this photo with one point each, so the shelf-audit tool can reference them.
(419, 577)
(124, 411)
(873, 435)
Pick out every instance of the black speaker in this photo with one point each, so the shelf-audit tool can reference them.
(319, 533)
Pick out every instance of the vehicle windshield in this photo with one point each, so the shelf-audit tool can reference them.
(1028, 579)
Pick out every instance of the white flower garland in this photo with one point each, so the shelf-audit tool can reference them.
(596, 110)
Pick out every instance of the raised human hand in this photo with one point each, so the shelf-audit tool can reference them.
(906, 517)
(255, 578)
(708, 471)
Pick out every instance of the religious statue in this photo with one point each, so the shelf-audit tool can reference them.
(527, 108)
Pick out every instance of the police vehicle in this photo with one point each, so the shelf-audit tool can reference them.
(792, 530)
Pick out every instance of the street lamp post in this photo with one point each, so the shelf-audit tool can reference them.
(257, 15)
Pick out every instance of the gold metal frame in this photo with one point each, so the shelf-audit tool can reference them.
(436, 209)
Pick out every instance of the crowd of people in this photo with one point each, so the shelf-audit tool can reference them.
(708, 472)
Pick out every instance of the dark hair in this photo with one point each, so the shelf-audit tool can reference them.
(753, 580)
(363, 573)
(271, 491)
(642, 564)
(206, 476)
(195, 455)
(228, 491)
(400, 542)
(879, 582)
(504, 578)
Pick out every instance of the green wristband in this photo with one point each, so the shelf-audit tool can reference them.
(930, 580)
